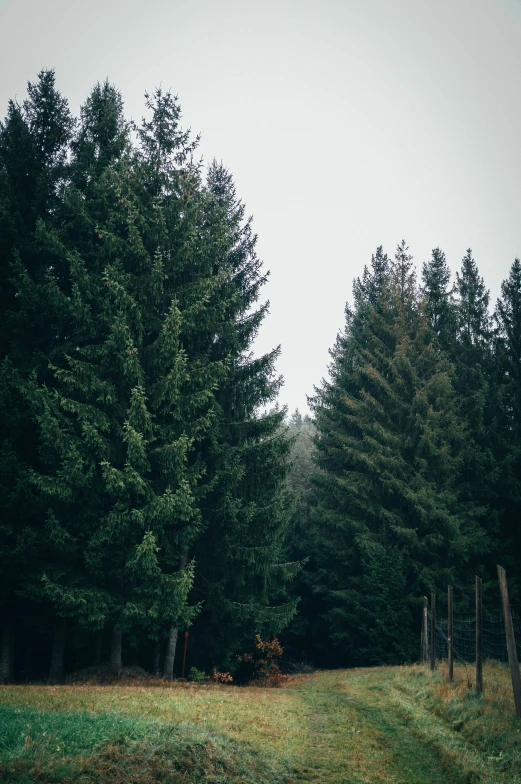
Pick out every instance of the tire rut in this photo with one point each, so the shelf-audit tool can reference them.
(363, 733)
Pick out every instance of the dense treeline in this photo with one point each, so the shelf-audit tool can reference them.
(143, 490)
(147, 487)
(416, 477)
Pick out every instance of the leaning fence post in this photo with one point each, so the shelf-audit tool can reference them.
(433, 631)
(511, 641)
(479, 636)
(425, 635)
(450, 636)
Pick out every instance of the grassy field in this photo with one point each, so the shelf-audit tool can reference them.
(402, 725)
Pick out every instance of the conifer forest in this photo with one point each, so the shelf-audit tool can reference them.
(150, 484)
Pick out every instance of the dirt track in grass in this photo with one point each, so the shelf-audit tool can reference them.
(396, 725)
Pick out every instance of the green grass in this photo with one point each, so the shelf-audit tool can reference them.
(482, 729)
(266, 718)
(399, 725)
(81, 747)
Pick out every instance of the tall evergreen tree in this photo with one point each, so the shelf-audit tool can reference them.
(439, 304)
(33, 143)
(129, 397)
(368, 290)
(508, 451)
(403, 278)
(386, 506)
(246, 512)
(473, 360)
(129, 327)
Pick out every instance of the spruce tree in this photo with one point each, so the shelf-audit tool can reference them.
(387, 521)
(367, 291)
(246, 512)
(473, 382)
(130, 312)
(508, 440)
(439, 303)
(33, 143)
(131, 393)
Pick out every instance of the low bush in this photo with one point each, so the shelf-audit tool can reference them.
(260, 666)
(222, 677)
(197, 676)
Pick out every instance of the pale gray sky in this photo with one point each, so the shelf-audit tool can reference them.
(346, 124)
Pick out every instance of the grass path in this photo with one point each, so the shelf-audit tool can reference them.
(363, 729)
(386, 725)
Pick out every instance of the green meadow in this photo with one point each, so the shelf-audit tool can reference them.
(389, 724)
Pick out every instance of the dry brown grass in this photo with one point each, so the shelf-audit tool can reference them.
(497, 685)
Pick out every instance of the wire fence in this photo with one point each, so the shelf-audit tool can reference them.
(475, 638)
(464, 637)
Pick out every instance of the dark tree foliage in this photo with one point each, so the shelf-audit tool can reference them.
(439, 302)
(471, 351)
(508, 440)
(149, 483)
(33, 142)
(134, 454)
(298, 640)
(387, 522)
(245, 511)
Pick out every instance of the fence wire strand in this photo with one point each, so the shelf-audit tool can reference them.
(464, 637)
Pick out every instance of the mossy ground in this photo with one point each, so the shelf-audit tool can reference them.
(399, 724)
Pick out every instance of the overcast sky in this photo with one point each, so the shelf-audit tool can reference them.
(346, 124)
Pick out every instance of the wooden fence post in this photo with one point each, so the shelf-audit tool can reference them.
(433, 631)
(425, 633)
(450, 636)
(511, 641)
(479, 636)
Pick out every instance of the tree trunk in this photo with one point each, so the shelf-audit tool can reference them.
(58, 652)
(156, 669)
(98, 651)
(168, 667)
(28, 661)
(6, 654)
(115, 652)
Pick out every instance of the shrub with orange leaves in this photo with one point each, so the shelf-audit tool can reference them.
(263, 666)
(221, 677)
